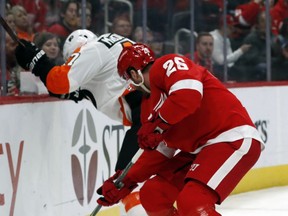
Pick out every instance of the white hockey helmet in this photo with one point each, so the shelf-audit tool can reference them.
(75, 40)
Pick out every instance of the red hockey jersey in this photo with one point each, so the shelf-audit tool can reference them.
(197, 105)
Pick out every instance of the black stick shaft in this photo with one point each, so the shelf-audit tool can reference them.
(118, 181)
(10, 31)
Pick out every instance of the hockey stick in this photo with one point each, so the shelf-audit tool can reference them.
(10, 31)
(118, 182)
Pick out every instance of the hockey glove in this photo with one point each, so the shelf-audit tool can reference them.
(34, 59)
(150, 134)
(112, 193)
(76, 96)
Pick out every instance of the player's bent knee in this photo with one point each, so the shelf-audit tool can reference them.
(158, 195)
(166, 212)
(197, 199)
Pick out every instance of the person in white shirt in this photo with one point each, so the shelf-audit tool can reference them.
(218, 50)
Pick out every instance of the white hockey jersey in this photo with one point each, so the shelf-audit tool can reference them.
(93, 68)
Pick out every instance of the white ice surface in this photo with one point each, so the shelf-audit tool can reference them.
(266, 202)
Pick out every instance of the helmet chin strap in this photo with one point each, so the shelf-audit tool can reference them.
(141, 84)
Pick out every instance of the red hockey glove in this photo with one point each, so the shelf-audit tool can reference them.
(113, 194)
(150, 134)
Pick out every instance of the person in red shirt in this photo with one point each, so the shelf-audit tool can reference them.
(192, 113)
(246, 14)
(279, 12)
(204, 50)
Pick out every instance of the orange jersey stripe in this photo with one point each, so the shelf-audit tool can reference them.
(126, 121)
(57, 80)
(132, 200)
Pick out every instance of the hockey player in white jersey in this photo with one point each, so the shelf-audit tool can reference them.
(90, 72)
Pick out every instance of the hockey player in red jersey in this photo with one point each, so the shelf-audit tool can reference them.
(193, 114)
(90, 72)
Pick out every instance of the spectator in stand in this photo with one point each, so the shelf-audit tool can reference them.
(50, 43)
(208, 13)
(246, 14)
(68, 22)
(36, 12)
(122, 25)
(53, 11)
(97, 16)
(156, 13)
(279, 12)
(280, 64)
(280, 54)
(251, 66)
(157, 45)
(153, 39)
(12, 68)
(23, 29)
(204, 49)
(88, 16)
(280, 38)
(138, 35)
(283, 34)
(218, 50)
(9, 18)
(238, 35)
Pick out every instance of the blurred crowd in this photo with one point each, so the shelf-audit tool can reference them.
(242, 32)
